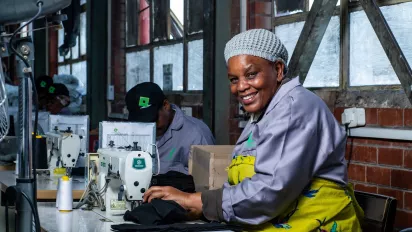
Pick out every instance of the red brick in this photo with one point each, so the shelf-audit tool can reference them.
(357, 172)
(366, 188)
(364, 154)
(393, 193)
(390, 156)
(371, 116)
(403, 219)
(408, 201)
(338, 113)
(382, 142)
(390, 117)
(407, 117)
(407, 159)
(401, 179)
(378, 175)
(357, 140)
(258, 21)
(400, 143)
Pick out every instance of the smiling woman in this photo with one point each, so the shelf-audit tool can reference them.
(288, 169)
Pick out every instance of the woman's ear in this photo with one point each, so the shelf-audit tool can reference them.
(166, 105)
(279, 66)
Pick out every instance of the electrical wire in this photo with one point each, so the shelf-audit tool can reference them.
(36, 103)
(33, 208)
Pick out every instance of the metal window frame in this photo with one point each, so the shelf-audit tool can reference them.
(344, 11)
(167, 42)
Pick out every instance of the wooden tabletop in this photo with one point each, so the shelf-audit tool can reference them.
(46, 185)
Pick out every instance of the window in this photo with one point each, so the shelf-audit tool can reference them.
(74, 62)
(290, 7)
(164, 40)
(369, 64)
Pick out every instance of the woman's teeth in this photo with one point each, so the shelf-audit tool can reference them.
(248, 97)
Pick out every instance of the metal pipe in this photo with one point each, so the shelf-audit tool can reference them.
(381, 133)
(25, 125)
(243, 15)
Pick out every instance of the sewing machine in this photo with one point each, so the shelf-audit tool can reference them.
(125, 174)
(63, 150)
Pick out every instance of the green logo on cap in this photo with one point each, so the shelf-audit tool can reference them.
(144, 102)
(43, 84)
(52, 89)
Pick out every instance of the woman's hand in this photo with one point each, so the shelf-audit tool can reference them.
(189, 201)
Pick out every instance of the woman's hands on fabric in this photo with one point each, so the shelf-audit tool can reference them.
(191, 202)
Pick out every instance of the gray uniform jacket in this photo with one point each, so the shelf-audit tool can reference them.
(296, 139)
(174, 145)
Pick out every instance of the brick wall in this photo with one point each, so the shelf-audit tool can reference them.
(383, 166)
(118, 59)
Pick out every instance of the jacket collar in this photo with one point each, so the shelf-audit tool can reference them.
(176, 125)
(286, 86)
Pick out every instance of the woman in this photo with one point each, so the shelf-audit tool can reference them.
(288, 169)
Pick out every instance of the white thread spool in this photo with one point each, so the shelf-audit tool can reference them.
(64, 200)
(64, 221)
(57, 193)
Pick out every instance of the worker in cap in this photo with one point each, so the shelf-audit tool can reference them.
(288, 171)
(58, 99)
(43, 84)
(175, 131)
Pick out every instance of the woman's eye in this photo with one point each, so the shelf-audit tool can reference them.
(251, 75)
(233, 80)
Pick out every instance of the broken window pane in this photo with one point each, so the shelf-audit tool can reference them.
(324, 71)
(63, 69)
(79, 70)
(195, 12)
(195, 65)
(288, 7)
(369, 64)
(83, 44)
(176, 18)
(168, 67)
(137, 68)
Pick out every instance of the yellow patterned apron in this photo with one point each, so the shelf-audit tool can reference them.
(323, 206)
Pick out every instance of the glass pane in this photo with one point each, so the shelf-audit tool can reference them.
(82, 2)
(168, 67)
(79, 70)
(311, 3)
(83, 34)
(137, 68)
(63, 69)
(369, 64)
(60, 42)
(144, 23)
(195, 21)
(176, 18)
(195, 65)
(324, 71)
(75, 49)
(288, 7)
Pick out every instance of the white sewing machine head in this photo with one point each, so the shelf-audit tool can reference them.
(125, 175)
(63, 149)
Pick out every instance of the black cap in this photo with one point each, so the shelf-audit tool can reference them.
(144, 101)
(58, 89)
(43, 83)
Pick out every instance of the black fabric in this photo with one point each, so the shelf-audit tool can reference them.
(143, 102)
(58, 89)
(71, 26)
(175, 179)
(212, 204)
(157, 212)
(176, 227)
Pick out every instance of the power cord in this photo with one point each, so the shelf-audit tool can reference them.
(351, 144)
(33, 204)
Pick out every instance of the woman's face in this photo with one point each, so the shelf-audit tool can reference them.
(254, 80)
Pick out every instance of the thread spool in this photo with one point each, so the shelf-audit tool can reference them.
(64, 199)
(64, 221)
